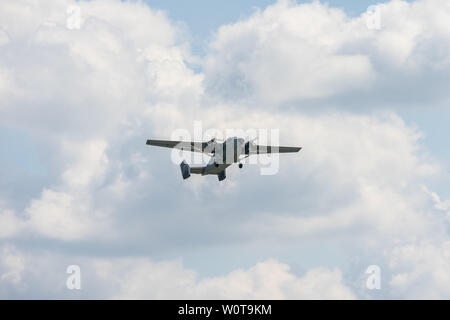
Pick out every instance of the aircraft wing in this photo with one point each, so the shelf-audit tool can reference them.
(257, 149)
(182, 145)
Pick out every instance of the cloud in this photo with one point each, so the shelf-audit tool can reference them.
(142, 278)
(313, 56)
(12, 264)
(367, 170)
(421, 270)
(88, 99)
(10, 224)
(439, 204)
(282, 46)
(65, 214)
(76, 91)
(62, 216)
(112, 68)
(266, 280)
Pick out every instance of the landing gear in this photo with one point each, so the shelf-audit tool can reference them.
(240, 165)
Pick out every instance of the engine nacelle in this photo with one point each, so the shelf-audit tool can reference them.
(221, 176)
(247, 147)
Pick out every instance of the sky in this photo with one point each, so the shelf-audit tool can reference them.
(78, 186)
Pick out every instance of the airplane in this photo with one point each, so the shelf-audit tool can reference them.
(223, 154)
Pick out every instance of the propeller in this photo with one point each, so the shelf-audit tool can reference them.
(210, 146)
(248, 143)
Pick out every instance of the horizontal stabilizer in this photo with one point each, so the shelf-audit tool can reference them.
(186, 170)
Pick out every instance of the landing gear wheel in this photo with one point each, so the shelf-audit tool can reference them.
(240, 165)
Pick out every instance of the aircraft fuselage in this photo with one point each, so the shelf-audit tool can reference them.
(225, 154)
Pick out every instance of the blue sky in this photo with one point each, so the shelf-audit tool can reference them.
(79, 185)
(203, 18)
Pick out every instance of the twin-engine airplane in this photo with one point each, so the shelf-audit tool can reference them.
(223, 154)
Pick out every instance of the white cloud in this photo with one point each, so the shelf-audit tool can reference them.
(12, 264)
(90, 162)
(420, 270)
(67, 213)
(10, 224)
(92, 96)
(63, 216)
(272, 280)
(291, 52)
(369, 172)
(79, 91)
(7, 85)
(124, 59)
(142, 278)
(4, 38)
(439, 204)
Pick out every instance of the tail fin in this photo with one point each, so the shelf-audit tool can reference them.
(221, 175)
(185, 169)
